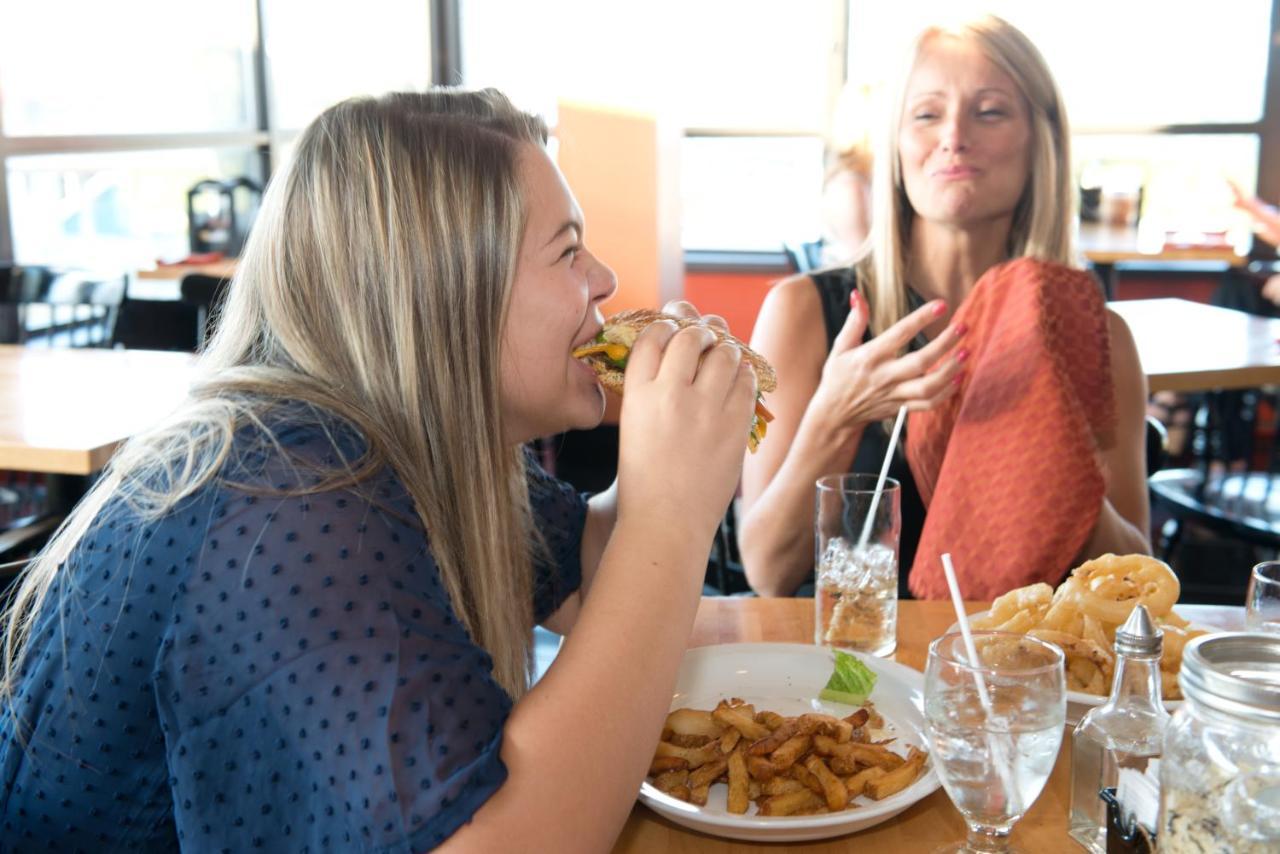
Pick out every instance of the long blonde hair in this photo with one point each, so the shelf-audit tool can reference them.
(383, 253)
(1043, 220)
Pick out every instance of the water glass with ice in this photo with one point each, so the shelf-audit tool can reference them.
(1262, 602)
(994, 754)
(856, 564)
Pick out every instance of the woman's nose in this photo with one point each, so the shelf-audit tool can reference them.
(602, 282)
(955, 135)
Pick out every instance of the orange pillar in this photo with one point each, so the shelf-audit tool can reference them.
(623, 169)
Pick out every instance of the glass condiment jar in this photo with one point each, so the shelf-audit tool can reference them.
(1220, 775)
(1114, 746)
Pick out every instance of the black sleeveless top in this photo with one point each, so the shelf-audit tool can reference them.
(834, 288)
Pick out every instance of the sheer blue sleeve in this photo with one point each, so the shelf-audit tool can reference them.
(560, 514)
(316, 690)
(253, 670)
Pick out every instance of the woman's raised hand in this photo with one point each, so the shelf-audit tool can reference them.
(866, 382)
(1266, 219)
(685, 417)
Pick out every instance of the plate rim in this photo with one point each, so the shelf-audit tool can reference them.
(883, 810)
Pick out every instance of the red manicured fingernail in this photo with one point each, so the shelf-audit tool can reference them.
(853, 299)
(939, 309)
(961, 328)
(962, 355)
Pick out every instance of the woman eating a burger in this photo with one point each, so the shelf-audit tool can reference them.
(298, 615)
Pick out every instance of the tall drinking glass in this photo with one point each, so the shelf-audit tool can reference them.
(994, 754)
(1262, 602)
(856, 583)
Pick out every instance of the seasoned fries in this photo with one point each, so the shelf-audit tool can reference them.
(1082, 615)
(802, 765)
(738, 782)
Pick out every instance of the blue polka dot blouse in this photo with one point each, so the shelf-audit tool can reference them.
(257, 672)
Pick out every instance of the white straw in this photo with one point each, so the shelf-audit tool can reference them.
(971, 653)
(962, 619)
(884, 471)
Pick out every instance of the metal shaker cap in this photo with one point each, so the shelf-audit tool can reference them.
(1139, 635)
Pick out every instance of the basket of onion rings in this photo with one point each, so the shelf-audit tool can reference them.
(1082, 615)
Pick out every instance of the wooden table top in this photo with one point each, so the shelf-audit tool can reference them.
(929, 823)
(64, 411)
(223, 269)
(1109, 244)
(1189, 346)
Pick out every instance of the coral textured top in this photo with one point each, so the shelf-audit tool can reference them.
(1010, 468)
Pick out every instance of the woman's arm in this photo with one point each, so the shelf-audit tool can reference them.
(822, 404)
(577, 745)
(775, 536)
(1125, 519)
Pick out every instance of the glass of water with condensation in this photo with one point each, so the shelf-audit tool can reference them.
(856, 563)
(994, 727)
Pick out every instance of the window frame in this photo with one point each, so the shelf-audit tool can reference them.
(767, 261)
(444, 42)
(1267, 130)
(266, 139)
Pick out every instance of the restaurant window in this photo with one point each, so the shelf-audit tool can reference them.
(110, 211)
(750, 81)
(322, 52)
(724, 174)
(1163, 98)
(102, 135)
(68, 67)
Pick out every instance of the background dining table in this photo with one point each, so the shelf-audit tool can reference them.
(65, 411)
(1189, 346)
(928, 823)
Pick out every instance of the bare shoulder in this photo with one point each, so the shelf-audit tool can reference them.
(789, 328)
(1126, 367)
(1124, 349)
(793, 300)
(1118, 328)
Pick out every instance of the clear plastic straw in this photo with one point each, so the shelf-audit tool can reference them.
(971, 653)
(884, 472)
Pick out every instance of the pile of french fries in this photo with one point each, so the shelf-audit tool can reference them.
(1082, 615)
(803, 765)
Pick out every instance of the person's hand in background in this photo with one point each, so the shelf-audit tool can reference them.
(1266, 220)
(1271, 289)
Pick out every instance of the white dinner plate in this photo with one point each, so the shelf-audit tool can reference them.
(786, 678)
(1078, 702)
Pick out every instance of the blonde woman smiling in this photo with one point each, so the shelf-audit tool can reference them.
(299, 616)
(973, 183)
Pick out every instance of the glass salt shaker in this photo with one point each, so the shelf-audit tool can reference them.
(1116, 746)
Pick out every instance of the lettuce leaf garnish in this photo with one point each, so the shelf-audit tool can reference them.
(851, 682)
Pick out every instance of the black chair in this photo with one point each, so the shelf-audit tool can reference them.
(21, 543)
(47, 307)
(725, 574)
(146, 324)
(205, 295)
(1232, 489)
(805, 257)
(183, 324)
(1157, 445)
(50, 307)
(9, 573)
